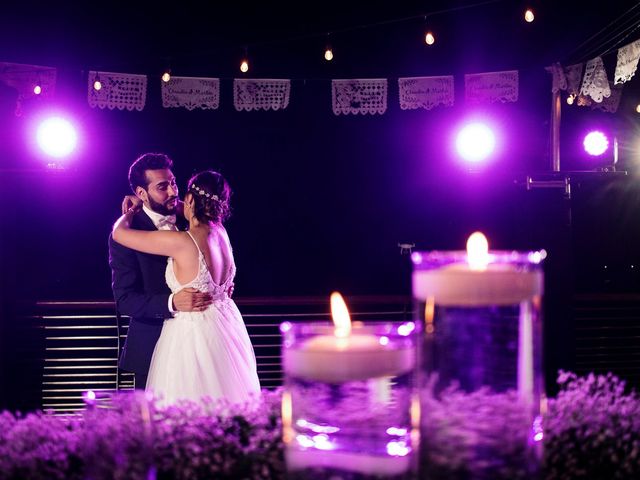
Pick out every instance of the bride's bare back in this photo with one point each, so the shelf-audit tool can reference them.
(213, 242)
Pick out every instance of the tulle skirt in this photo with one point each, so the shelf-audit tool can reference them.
(204, 354)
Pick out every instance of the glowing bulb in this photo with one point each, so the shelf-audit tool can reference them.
(429, 39)
(166, 76)
(328, 54)
(529, 16)
(638, 108)
(570, 99)
(475, 142)
(596, 143)
(57, 137)
(244, 66)
(477, 251)
(97, 85)
(340, 316)
(37, 89)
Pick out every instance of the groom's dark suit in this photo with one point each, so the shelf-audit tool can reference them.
(140, 291)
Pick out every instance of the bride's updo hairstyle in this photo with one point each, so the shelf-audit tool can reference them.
(211, 194)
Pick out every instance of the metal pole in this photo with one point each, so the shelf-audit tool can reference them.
(556, 104)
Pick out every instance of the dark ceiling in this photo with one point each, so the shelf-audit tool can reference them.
(286, 39)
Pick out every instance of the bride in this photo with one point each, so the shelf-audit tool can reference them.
(205, 353)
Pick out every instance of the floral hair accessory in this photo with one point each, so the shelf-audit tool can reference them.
(201, 191)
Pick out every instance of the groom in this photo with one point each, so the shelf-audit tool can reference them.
(138, 279)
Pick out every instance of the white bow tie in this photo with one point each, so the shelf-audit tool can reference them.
(167, 223)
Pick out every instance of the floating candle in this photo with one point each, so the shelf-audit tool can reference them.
(350, 353)
(477, 278)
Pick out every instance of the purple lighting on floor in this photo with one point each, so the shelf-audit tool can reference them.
(475, 142)
(596, 143)
(56, 137)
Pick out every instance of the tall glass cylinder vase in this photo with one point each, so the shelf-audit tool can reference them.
(482, 385)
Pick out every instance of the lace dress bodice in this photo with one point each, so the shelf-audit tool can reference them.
(202, 280)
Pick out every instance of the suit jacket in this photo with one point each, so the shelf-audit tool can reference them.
(140, 291)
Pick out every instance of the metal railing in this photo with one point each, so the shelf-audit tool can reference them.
(77, 343)
(81, 341)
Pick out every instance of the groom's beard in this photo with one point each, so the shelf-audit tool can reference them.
(166, 208)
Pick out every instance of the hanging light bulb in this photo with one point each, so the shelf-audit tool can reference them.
(638, 108)
(429, 38)
(570, 99)
(328, 53)
(166, 76)
(244, 64)
(97, 84)
(37, 89)
(529, 16)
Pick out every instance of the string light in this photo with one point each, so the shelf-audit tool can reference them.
(244, 64)
(328, 53)
(570, 99)
(166, 74)
(429, 39)
(37, 89)
(97, 84)
(638, 108)
(529, 16)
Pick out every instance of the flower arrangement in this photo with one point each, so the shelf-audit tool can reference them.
(591, 431)
(135, 439)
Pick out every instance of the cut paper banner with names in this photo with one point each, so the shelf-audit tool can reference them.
(261, 94)
(425, 92)
(354, 96)
(119, 90)
(627, 62)
(612, 102)
(595, 83)
(191, 93)
(574, 78)
(558, 77)
(491, 87)
(24, 78)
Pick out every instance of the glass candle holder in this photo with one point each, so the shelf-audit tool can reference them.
(350, 407)
(482, 385)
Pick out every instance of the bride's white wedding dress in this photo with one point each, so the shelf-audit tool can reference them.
(204, 353)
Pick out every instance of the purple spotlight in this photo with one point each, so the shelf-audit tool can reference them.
(56, 137)
(475, 142)
(596, 143)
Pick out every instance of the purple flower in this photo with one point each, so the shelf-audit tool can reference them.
(591, 431)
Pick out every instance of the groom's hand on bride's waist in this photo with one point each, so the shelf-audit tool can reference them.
(191, 300)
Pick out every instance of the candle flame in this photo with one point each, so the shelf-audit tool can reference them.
(477, 251)
(340, 316)
(287, 416)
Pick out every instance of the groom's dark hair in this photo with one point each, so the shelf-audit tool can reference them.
(147, 161)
